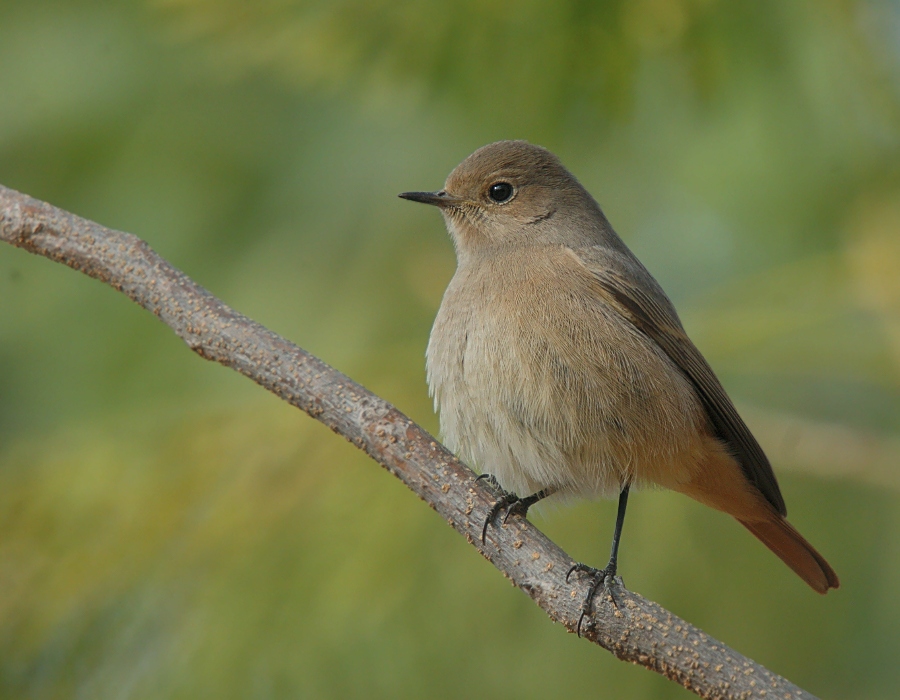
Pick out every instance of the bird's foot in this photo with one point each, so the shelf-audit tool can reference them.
(509, 502)
(605, 577)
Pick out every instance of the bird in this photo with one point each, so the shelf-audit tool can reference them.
(558, 365)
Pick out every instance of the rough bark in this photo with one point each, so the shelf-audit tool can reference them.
(632, 628)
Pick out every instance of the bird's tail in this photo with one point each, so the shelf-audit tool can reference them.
(779, 535)
(721, 484)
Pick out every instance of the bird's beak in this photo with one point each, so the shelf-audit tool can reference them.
(439, 199)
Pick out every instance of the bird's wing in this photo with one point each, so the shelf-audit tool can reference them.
(633, 292)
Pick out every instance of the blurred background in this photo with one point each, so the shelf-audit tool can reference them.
(169, 530)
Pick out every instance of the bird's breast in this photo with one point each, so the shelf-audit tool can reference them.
(540, 382)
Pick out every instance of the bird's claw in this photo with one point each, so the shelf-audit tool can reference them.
(599, 577)
(490, 479)
(510, 502)
(513, 504)
(507, 501)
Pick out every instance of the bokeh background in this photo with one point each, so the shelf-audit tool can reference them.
(169, 530)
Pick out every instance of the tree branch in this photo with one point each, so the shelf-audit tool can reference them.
(634, 629)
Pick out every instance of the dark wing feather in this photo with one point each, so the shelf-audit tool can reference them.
(660, 323)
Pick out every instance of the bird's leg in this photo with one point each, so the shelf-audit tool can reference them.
(606, 575)
(511, 503)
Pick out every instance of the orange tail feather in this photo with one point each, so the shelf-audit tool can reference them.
(779, 536)
(721, 484)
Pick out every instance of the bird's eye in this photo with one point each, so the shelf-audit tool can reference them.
(500, 192)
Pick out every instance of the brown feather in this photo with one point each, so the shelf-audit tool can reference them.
(557, 361)
(661, 324)
(720, 485)
(790, 546)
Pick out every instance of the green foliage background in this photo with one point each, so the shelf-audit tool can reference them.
(169, 530)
